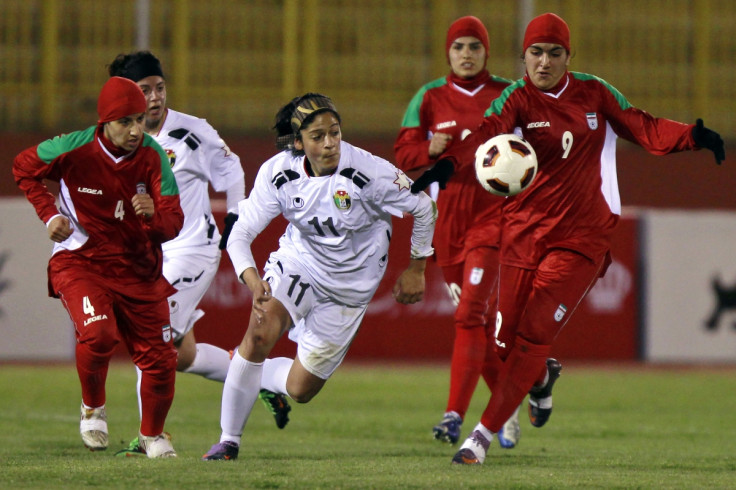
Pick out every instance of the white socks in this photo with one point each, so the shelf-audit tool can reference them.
(275, 372)
(211, 362)
(242, 385)
(482, 429)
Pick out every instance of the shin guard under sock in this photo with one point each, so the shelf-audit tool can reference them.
(518, 375)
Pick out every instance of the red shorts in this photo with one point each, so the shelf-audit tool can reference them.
(476, 280)
(102, 316)
(536, 304)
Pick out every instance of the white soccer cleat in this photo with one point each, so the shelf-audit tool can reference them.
(93, 428)
(157, 446)
(473, 451)
(509, 435)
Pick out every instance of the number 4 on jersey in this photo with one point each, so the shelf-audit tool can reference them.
(87, 307)
(120, 210)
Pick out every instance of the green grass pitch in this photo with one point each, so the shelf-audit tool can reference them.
(629, 427)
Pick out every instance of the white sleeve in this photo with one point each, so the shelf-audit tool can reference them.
(392, 193)
(235, 194)
(225, 170)
(254, 214)
(425, 215)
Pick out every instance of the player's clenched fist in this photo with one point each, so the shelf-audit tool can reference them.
(60, 228)
(143, 204)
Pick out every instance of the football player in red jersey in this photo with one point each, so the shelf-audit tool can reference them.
(118, 203)
(556, 235)
(441, 114)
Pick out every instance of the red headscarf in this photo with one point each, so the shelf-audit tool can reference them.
(467, 26)
(119, 97)
(547, 28)
(462, 27)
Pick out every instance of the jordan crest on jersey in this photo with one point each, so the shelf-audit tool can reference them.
(172, 157)
(342, 200)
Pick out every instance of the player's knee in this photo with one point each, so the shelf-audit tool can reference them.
(303, 395)
(157, 361)
(471, 313)
(101, 344)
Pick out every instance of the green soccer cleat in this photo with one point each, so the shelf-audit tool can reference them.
(132, 451)
(278, 405)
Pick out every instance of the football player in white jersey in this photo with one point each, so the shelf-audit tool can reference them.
(339, 201)
(198, 157)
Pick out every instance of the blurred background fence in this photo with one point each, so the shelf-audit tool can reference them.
(235, 62)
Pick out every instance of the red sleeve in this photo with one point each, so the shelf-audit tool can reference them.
(29, 172)
(167, 220)
(412, 149)
(168, 217)
(658, 136)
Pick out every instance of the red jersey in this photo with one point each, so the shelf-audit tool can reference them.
(95, 194)
(468, 216)
(574, 201)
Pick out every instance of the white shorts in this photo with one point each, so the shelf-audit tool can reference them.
(323, 329)
(191, 275)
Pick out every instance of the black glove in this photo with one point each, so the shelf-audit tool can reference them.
(230, 220)
(440, 173)
(707, 138)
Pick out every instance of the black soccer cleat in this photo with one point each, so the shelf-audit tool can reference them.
(540, 397)
(278, 405)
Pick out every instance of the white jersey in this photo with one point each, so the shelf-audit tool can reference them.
(199, 156)
(339, 225)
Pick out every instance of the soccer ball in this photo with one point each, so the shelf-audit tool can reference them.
(505, 165)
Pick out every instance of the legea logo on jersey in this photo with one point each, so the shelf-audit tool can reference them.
(172, 157)
(342, 200)
(87, 190)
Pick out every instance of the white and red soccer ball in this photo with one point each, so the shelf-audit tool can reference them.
(505, 165)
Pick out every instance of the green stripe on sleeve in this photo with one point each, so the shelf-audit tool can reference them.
(497, 104)
(52, 148)
(411, 116)
(622, 102)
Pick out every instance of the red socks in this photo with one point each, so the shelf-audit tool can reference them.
(468, 355)
(92, 372)
(520, 372)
